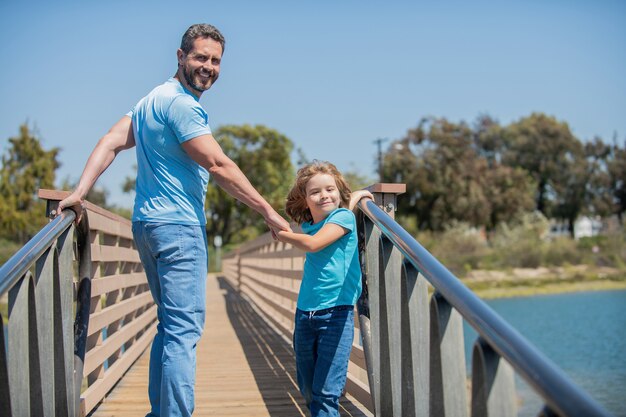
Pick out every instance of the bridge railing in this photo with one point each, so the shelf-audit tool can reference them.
(55, 365)
(410, 343)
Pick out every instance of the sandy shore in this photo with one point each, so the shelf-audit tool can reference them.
(520, 282)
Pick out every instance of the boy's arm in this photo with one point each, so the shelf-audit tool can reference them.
(328, 234)
(356, 196)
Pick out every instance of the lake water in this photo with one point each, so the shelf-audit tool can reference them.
(582, 333)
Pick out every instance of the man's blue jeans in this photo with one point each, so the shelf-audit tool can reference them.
(175, 260)
(322, 341)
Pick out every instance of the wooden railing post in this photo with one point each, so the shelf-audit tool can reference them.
(380, 313)
(386, 196)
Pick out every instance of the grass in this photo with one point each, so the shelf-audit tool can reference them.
(531, 289)
(4, 311)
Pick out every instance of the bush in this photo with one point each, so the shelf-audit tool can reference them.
(460, 248)
(7, 249)
(605, 250)
(519, 244)
(562, 251)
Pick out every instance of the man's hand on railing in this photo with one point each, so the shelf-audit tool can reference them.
(74, 202)
(358, 195)
(275, 222)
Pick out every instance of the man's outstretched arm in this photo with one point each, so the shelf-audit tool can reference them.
(208, 153)
(117, 139)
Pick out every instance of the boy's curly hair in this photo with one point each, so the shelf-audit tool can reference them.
(296, 206)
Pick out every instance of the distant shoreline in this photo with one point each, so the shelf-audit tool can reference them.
(538, 281)
(555, 288)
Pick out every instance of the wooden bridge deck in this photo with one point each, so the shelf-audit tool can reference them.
(244, 368)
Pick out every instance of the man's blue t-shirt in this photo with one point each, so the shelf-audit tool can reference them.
(332, 276)
(171, 187)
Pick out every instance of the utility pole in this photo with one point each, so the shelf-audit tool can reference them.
(379, 142)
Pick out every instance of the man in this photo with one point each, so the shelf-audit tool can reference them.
(175, 155)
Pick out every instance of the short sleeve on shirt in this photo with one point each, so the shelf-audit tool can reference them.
(187, 118)
(344, 218)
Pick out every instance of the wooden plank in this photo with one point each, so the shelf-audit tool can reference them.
(285, 293)
(108, 315)
(96, 356)
(104, 224)
(283, 273)
(110, 283)
(102, 253)
(288, 253)
(279, 308)
(94, 394)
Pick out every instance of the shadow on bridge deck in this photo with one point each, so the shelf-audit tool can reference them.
(244, 367)
(270, 358)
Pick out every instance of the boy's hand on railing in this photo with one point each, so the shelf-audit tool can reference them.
(73, 202)
(358, 195)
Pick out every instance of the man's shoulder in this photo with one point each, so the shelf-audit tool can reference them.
(170, 97)
(170, 89)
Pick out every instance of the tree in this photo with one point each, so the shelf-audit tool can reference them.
(96, 195)
(356, 180)
(598, 197)
(547, 150)
(26, 167)
(448, 178)
(616, 166)
(263, 154)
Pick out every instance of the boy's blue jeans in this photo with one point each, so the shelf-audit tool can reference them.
(174, 258)
(322, 342)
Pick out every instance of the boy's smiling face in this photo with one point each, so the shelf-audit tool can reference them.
(322, 196)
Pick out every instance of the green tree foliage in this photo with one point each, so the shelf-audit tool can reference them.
(97, 195)
(616, 170)
(263, 154)
(26, 167)
(356, 180)
(449, 178)
(599, 196)
(547, 150)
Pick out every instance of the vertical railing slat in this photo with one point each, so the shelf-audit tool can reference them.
(5, 394)
(44, 290)
(392, 342)
(63, 340)
(415, 343)
(373, 352)
(24, 369)
(493, 384)
(448, 395)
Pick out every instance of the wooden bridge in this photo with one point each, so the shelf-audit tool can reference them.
(245, 368)
(407, 357)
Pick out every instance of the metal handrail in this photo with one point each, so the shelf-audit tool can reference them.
(24, 258)
(549, 381)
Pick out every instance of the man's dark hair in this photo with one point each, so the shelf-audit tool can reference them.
(201, 30)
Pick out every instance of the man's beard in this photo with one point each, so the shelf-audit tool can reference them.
(189, 77)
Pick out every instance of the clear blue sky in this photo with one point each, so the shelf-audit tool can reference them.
(331, 75)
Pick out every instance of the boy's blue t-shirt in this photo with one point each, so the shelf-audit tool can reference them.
(170, 187)
(332, 276)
